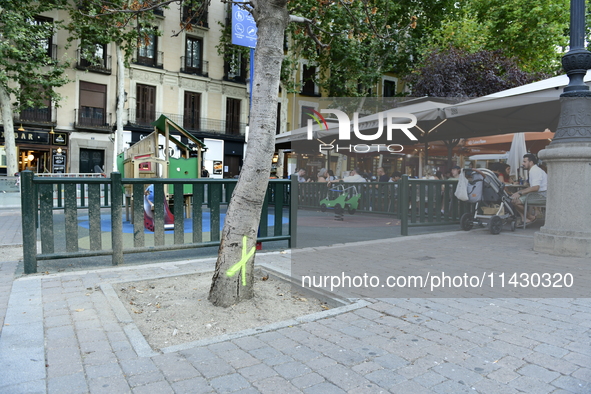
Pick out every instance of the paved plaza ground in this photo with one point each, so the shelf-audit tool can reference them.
(62, 332)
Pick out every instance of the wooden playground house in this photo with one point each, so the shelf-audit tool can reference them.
(142, 160)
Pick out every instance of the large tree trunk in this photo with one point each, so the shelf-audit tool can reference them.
(230, 283)
(118, 144)
(9, 140)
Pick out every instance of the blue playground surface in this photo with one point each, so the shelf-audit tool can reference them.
(83, 221)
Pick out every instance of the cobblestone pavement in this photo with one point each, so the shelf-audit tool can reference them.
(64, 333)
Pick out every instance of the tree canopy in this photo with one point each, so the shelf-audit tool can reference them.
(534, 34)
(355, 42)
(29, 67)
(457, 72)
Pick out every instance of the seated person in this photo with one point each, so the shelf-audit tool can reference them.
(396, 176)
(538, 184)
(354, 177)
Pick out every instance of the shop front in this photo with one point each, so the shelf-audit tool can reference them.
(38, 150)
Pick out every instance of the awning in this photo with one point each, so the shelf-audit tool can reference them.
(429, 114)
(507, 138)
(531, 107)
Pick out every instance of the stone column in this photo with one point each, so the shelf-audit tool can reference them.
(567, 230)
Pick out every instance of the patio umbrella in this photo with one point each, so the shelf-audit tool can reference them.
(516, 153)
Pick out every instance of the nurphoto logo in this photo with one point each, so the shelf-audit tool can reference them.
(345, 130)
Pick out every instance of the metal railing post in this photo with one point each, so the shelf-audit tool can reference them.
(293, 212)
(117, 218)
(403, 193)
(29, 211)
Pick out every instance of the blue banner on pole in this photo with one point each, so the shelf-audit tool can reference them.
(244, 28)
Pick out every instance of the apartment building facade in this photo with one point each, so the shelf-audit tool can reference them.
(182, 77)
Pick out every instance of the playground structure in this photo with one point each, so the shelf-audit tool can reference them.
(144, 160)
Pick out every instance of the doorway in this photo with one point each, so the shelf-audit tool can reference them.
(232, 166)
(90, 159)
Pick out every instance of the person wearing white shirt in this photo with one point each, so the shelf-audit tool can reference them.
(354, 177)
(538, 184)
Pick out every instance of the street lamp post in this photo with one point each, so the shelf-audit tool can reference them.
(567, 229)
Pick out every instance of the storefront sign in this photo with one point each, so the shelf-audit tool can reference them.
(29, 137)
(60, 139)
(58, 161)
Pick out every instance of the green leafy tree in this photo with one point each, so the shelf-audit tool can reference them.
(93, 24)
(535, 34)
(28, 73)
(457, 72)
(332, 26)
(355, 42)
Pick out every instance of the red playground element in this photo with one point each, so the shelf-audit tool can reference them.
(149, 216)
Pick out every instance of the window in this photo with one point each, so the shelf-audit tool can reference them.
(192, 111)
(147, 52)
(92, 111)
(305, 115)
(196, 15)
(235, 68)
(145, 104)
(45, 24)
(309, 87)
(39, 112)
(93, 57)
(194, 55)
(389, 88)
(233, 116)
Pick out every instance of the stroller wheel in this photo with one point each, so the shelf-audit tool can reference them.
(466, 222)
(495, 225)
(513, 225)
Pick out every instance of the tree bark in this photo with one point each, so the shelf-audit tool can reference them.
(230, 284)
(118, 143)
(9, 138)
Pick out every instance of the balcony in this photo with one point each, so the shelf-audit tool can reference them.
(37, 116)
(94, 119)
(201, 70)
(196, 18)
(155, 62)
(235, 78)
(97, 65)
(188, 122)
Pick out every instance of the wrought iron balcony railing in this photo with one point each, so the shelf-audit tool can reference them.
(189, 122)
(98, 64)
(92, 118)
(40, 116)
(149, 61)
(188, 66)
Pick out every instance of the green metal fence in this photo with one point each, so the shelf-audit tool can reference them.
(375, 197)
(43, 199)
(416, 202)
(430, 203)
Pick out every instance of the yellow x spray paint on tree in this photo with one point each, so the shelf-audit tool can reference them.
(241, 265)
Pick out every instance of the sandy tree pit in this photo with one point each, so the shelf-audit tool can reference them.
(174, 310)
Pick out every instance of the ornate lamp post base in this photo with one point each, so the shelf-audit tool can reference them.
(567, 229)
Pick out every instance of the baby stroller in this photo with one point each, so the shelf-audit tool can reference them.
(492, 203)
